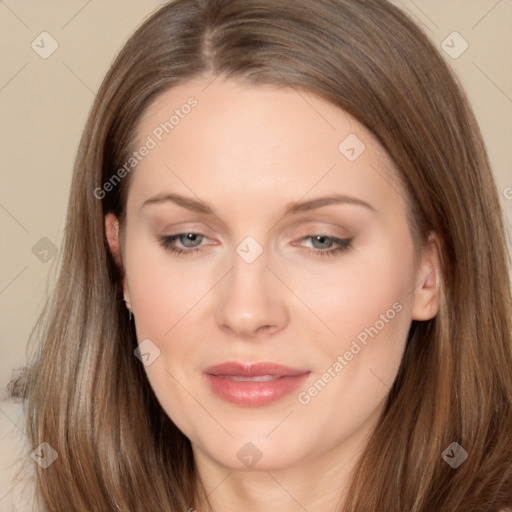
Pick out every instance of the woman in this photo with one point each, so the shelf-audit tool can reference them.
(284, 279)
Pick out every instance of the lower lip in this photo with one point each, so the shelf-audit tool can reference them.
(254, 394)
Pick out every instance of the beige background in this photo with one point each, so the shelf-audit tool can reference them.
(44, 103)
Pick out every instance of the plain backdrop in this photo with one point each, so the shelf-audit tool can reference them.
(44, 104)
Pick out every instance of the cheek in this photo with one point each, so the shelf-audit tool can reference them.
(369, 309)
(165, 300)
(369, 290)
(162, 291)
(368, 306)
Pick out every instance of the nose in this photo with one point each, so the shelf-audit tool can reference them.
(251, 300)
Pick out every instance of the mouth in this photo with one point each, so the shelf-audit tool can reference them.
(261, 378)
(253, 385)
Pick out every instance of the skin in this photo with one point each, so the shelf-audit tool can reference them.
(248, 152)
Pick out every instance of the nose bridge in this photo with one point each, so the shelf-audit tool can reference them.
(250, 299)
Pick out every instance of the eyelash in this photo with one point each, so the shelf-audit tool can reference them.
(168, 243)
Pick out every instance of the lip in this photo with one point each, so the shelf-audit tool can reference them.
(230, 382)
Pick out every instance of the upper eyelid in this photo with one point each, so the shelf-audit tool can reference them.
(342, 232)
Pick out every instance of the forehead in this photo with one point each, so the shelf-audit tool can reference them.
(229, 139)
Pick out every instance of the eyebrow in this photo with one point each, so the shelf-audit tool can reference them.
(291, 208)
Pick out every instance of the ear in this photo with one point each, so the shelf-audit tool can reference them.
(428, 279)
(112, 232)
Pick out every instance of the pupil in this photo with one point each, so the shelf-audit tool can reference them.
(322, 240)
(190, 237)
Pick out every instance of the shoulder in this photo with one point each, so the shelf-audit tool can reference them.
(17, 471)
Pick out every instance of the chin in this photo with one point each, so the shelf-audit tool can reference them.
(255, 455)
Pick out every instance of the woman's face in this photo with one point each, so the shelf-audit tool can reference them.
(270, 269)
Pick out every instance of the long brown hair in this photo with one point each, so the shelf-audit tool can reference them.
(87, 394)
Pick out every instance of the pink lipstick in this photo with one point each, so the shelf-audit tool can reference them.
(253, 385)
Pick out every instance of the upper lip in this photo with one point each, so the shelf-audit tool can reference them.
(236, 369)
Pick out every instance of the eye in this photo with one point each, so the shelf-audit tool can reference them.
(325, 245)
(190, 243)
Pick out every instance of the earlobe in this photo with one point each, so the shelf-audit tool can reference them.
(428, 289)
